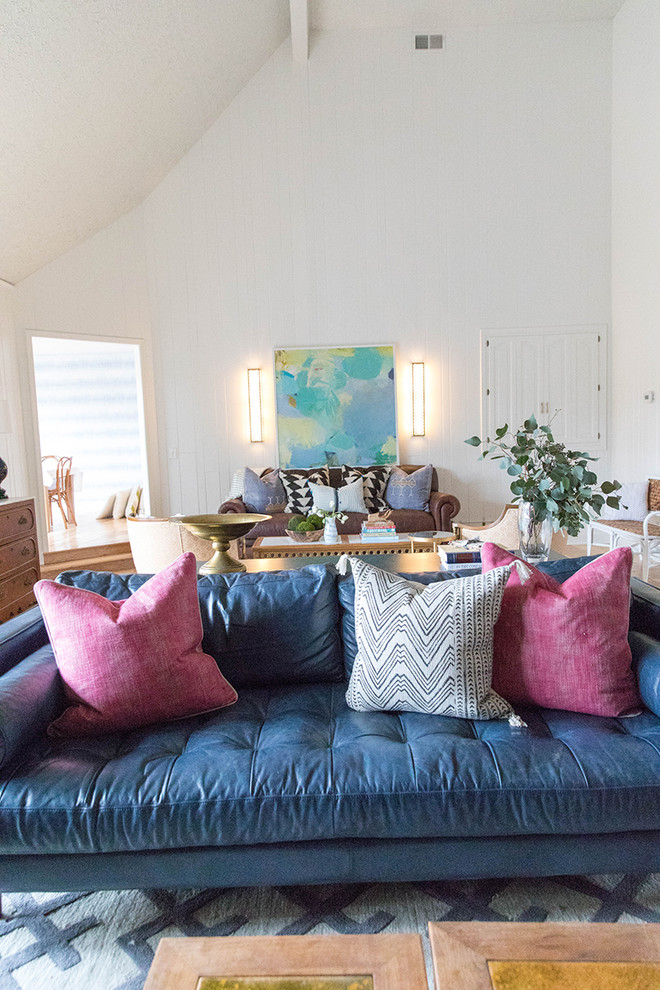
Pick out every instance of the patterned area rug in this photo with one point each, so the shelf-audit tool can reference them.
(106, 940)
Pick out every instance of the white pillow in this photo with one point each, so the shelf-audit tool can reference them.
(106, 511)
(121, 501)
(133, 504)
(350, 498)
(634, 495)
(426, 648)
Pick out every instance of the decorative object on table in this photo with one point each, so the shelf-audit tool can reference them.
(220, 529)
(374, 483)
(5, 427)
(296, 485)
(377, 530)
(459, 556)
(335, 405)
(305, 529)
(635, 523)
(425, 648)
(493, 955)
(290, 962)
(126, 664)
(409, 491)
(565, 646)
(553, 484)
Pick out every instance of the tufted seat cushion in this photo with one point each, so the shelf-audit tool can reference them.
(294, 763)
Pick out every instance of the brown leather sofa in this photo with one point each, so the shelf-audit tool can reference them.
(442, 509)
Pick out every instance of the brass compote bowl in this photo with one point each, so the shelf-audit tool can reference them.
(220, 529)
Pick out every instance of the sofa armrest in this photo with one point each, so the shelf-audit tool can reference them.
(31, 695)
(21, 636)
(646, 664)
(443, 508)
(233, 505)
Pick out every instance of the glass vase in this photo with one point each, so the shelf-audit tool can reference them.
(330, 534)
(534, 533)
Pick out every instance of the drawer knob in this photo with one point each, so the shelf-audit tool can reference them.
(22, 521)
(25, 552)
(27, 583)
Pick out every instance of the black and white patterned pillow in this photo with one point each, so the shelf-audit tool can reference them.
(374, 482)
(298, 494)
(426, 648)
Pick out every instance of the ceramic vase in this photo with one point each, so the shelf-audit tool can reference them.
(330, 534)
(534, 534)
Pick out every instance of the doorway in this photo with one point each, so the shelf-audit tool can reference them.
(90, 408)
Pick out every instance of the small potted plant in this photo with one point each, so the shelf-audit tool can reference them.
(305, 529)
(554, 485)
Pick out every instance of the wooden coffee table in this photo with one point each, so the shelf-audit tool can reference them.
(545, 956)
(285, 546)
(269, 962)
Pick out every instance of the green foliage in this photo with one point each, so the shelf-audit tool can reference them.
(306, 527)
(294, 522)
(316, 520)
(557, 481)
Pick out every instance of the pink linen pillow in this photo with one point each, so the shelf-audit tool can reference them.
(135, 662)
(566, 645)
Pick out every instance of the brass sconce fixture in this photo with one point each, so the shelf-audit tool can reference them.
(254, 405)
(418, 400)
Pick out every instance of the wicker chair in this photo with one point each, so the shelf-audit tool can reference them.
(643, 534)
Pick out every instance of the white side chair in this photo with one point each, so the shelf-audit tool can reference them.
(635, 526)
(155, 543)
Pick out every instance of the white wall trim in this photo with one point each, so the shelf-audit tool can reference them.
(147, 390)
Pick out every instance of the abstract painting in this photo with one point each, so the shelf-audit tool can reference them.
(335, 405)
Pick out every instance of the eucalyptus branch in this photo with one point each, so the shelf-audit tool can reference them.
(556, 480)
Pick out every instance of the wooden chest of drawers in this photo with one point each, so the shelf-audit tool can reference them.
(19, 556)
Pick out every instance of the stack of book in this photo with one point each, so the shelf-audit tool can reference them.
(458, 558)
(377, 531)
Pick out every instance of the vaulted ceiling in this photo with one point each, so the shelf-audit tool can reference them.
(100, 98)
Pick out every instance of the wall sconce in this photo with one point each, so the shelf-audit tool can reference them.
(254, 404)
(418, 400)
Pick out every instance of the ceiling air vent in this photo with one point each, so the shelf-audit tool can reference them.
(425, 42)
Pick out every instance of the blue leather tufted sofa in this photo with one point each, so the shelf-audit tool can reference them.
(291, 786)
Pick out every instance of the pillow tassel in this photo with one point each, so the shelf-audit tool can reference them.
(524, 572)
(343, 564)
(516, 722)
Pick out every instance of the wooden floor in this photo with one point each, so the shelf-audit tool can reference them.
(94, 544)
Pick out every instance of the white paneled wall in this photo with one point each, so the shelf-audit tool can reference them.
(374, 195)
(636, 241)
(11, 444)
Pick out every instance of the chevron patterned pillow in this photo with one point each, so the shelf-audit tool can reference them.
(374, 483)
(426, 648)
(298, 494)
